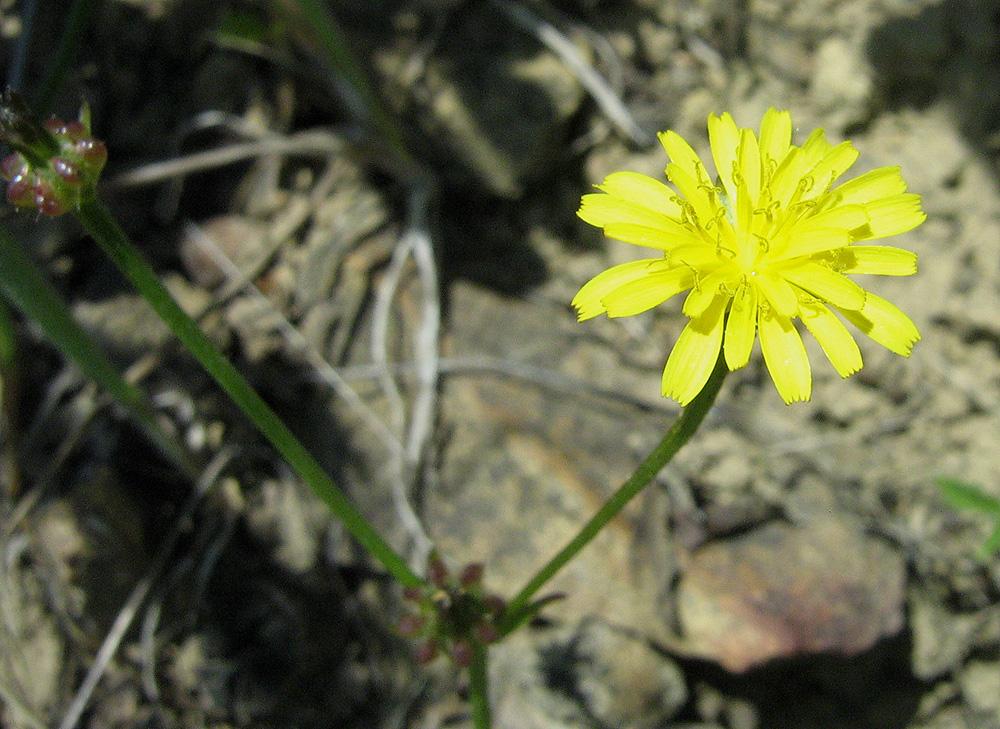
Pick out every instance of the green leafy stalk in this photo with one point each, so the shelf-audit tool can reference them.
(78, 22)
(967, 496)
(8, 338)
(318, 31)
(103, 228)
(10, 483)
(687, 423)
(479, 695)
(24, 284)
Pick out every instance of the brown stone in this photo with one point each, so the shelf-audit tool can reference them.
(782, 590)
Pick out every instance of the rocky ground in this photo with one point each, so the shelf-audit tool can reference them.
(795, 566)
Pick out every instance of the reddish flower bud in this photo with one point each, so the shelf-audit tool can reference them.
(410, 626)
(52, 206)
(437, 573)
(461, 652)
(495, 604)
(21, 191)
(487, 633)
(13, 165)
(46, 199)
(426, 652)
(74, 130)
(413, 593)
(55, 125)
(93, 152)
(66, 170)
(472, 575)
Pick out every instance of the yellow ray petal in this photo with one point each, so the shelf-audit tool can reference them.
(826, 284)
(792, 179)
(845, 217)
(694, 355)
(785, 356)
(741, 327)
(588, 299)
(893, 215)
(601, 209)
(696, 256)
(799, 239)
(815, 148)
(778, 293)
(807, 242)
(833, 337)
(748, 172)
(642, 189)
(724, 137)
(723, 279)
(642, 294)
(786, 178)
(886, 324)
(700, 195)
(775, 137)
(874, 185)
(833, 164)
(882, 260)
(662, 237)
(683, 155)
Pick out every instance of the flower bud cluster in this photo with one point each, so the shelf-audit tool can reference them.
(57, 182)
(454, 614)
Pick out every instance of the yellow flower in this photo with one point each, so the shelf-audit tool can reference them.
(767, 243)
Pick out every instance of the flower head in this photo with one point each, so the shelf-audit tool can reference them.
(54, 165)
(454, 613)
(769, 241)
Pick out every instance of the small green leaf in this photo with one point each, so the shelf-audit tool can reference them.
(992, 545)
(968, 496)
(242, 26)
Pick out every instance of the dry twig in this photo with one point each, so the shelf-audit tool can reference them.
(416, 242)
(557, 42)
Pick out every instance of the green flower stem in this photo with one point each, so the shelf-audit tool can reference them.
(24, 284)
(685, 426)
(78, 21)
(102, 227)
(479, 694)
(8, 342)
(318, 30)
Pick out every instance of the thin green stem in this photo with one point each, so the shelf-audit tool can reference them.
(318, 30)
(8, 341)
(684, 427)
(479, 694)
(78, 21)
(103, 228)
(24, 284)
